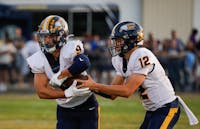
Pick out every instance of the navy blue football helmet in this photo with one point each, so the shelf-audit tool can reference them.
(125, 36)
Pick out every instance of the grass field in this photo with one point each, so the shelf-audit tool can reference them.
(27, 111)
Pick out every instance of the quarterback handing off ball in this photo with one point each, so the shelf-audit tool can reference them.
(68, 82)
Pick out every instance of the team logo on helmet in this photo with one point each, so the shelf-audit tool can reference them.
(127, 27)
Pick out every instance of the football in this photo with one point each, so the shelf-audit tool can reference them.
(68, 82)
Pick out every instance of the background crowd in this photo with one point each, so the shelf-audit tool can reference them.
(180, 59)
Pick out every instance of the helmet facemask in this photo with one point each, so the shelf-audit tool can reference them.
(116, 46)
(49, 43)
(120, 46)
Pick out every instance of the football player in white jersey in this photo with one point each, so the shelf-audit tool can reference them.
(137, 68)
(57, 60)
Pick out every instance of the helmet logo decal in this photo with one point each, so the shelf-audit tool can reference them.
(52, 26)
(127, 27)
(130, 26)
(122, 28)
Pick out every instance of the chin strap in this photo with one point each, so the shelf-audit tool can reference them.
(124, 67)
(128, 45)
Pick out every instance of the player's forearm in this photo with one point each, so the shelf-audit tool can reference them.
(114, 90)
(49, 93)
(118, 80)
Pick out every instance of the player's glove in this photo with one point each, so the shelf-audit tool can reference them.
(55, 81)
(74, 91)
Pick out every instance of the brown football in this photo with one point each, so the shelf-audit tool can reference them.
(68, 82)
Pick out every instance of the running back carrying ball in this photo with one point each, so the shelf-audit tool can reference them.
(68, 82)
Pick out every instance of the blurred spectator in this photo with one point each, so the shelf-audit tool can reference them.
(94, 56)
(31, 46)
(176, 45)
(175, 64)
(190, 59)
(29, 49)
(152, 44)
(19, 40)
(197, 68)
(20, 62)
(87, 38)
(193, 35)
(173, 49)
(7, 51)
(95, 48)
(106, 67)
(164, 49)
(163, 54)
(95, 42)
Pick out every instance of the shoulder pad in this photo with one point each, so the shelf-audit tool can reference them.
(72, 48)
(36, 62)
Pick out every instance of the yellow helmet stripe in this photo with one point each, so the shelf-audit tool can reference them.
(48, 22)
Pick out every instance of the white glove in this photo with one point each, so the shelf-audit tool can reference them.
(73, 91)
(55, 81)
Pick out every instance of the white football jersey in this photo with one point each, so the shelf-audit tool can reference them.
(157, 89)
(39, 64)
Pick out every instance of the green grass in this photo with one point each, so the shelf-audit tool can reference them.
(27, 111)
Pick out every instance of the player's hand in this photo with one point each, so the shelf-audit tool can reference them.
(56, 80)
(74, 91)
(90, 83)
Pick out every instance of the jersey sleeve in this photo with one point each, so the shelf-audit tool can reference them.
(71, 49)
(35, 63)
(142, 62)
